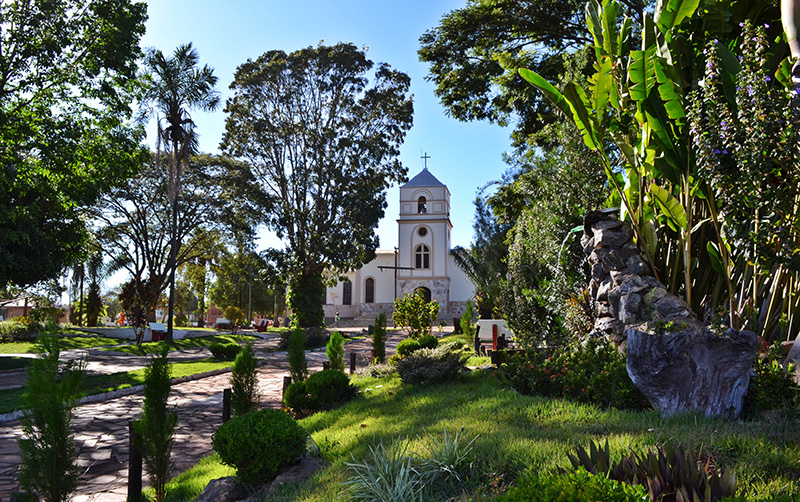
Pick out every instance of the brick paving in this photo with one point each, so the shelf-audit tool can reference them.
(101, 429)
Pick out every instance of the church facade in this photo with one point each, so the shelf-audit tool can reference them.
(421, 261)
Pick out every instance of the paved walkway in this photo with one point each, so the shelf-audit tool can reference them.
(102, 428)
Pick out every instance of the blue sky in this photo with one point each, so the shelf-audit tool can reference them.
(464, 156)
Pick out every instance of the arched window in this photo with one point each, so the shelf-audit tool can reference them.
(369, 291)
(422, 205)
(347, 293)
(422, 257)
(424, 292)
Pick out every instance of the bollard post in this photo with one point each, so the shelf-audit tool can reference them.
(326, 365)
(372, 356)
(494, 336)
(226, 405)
(352, 362)
(134, 467)
(478, 340)
(287, 380)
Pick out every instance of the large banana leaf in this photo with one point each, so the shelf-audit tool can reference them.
(671, 13)
(572, 103)
(670, 207)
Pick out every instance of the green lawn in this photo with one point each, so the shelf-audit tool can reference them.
(519, 434)
(13, 363)
(11, 399)
(65, 343)
(182, 344)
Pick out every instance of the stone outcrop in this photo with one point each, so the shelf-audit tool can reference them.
(676, 362)
(227, 489)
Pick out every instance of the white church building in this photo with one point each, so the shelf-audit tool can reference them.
(421, 261)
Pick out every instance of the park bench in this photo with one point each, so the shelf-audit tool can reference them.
(262, 325)
(158, 331)
(222, 323)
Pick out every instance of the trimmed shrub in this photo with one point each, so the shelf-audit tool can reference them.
(432, 365)
(156, 426)
(244, 381)
(259, 444)
(224, 350)
(296, 399)
(579, 486)
(379, 339)
(407, 347)
(298, 366)
(328, 388)
(335, 351)
(321, 391)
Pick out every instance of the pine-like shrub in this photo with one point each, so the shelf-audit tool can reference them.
(407, 347)
(224, 350)
(579, 486)
(47, 447)
(335, 351)
(244, 381)
(259, 444)
(379, 339)
(432, 365)
(155, 428)
(298, 366)
(468, 325)
(328, 388)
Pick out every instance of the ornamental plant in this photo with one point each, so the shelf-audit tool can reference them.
(298, 366)
(235, 316)
(335, 351)
(47, 446)
(156, 426)
(244, 381)
(414, 314)
(379, 339)
(468, 324)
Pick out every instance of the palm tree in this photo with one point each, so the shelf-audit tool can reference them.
(176, 85)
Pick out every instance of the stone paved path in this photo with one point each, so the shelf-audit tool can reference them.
(102, 428)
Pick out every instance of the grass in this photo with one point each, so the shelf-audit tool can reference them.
(519, 434)
(182, 344)
(64, 343)
(11, 399)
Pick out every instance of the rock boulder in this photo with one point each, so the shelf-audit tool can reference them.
(680, 366)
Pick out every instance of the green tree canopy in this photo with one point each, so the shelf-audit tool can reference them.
(323, 147)
(68, 70)
(475, 51)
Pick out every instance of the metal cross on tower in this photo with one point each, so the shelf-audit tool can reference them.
(426, 157)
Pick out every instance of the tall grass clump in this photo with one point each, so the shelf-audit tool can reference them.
(379, 339)
(335, 351)
(244, 381)
(47, 447)
(298, 366)
(155, 429)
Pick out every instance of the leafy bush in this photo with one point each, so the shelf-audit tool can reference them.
(39, 320)
(244, 381)
(224, 350)
(47, 446)
(432, 365)
(414, 314)
(155, 428)
(335, 351)
(579, 486)
(771, 388)
(379, 339)
(592, 372)
(407, 347)
(667, 471)
(298, 366)
(428, 342)
(321, 391)
(259, 444)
